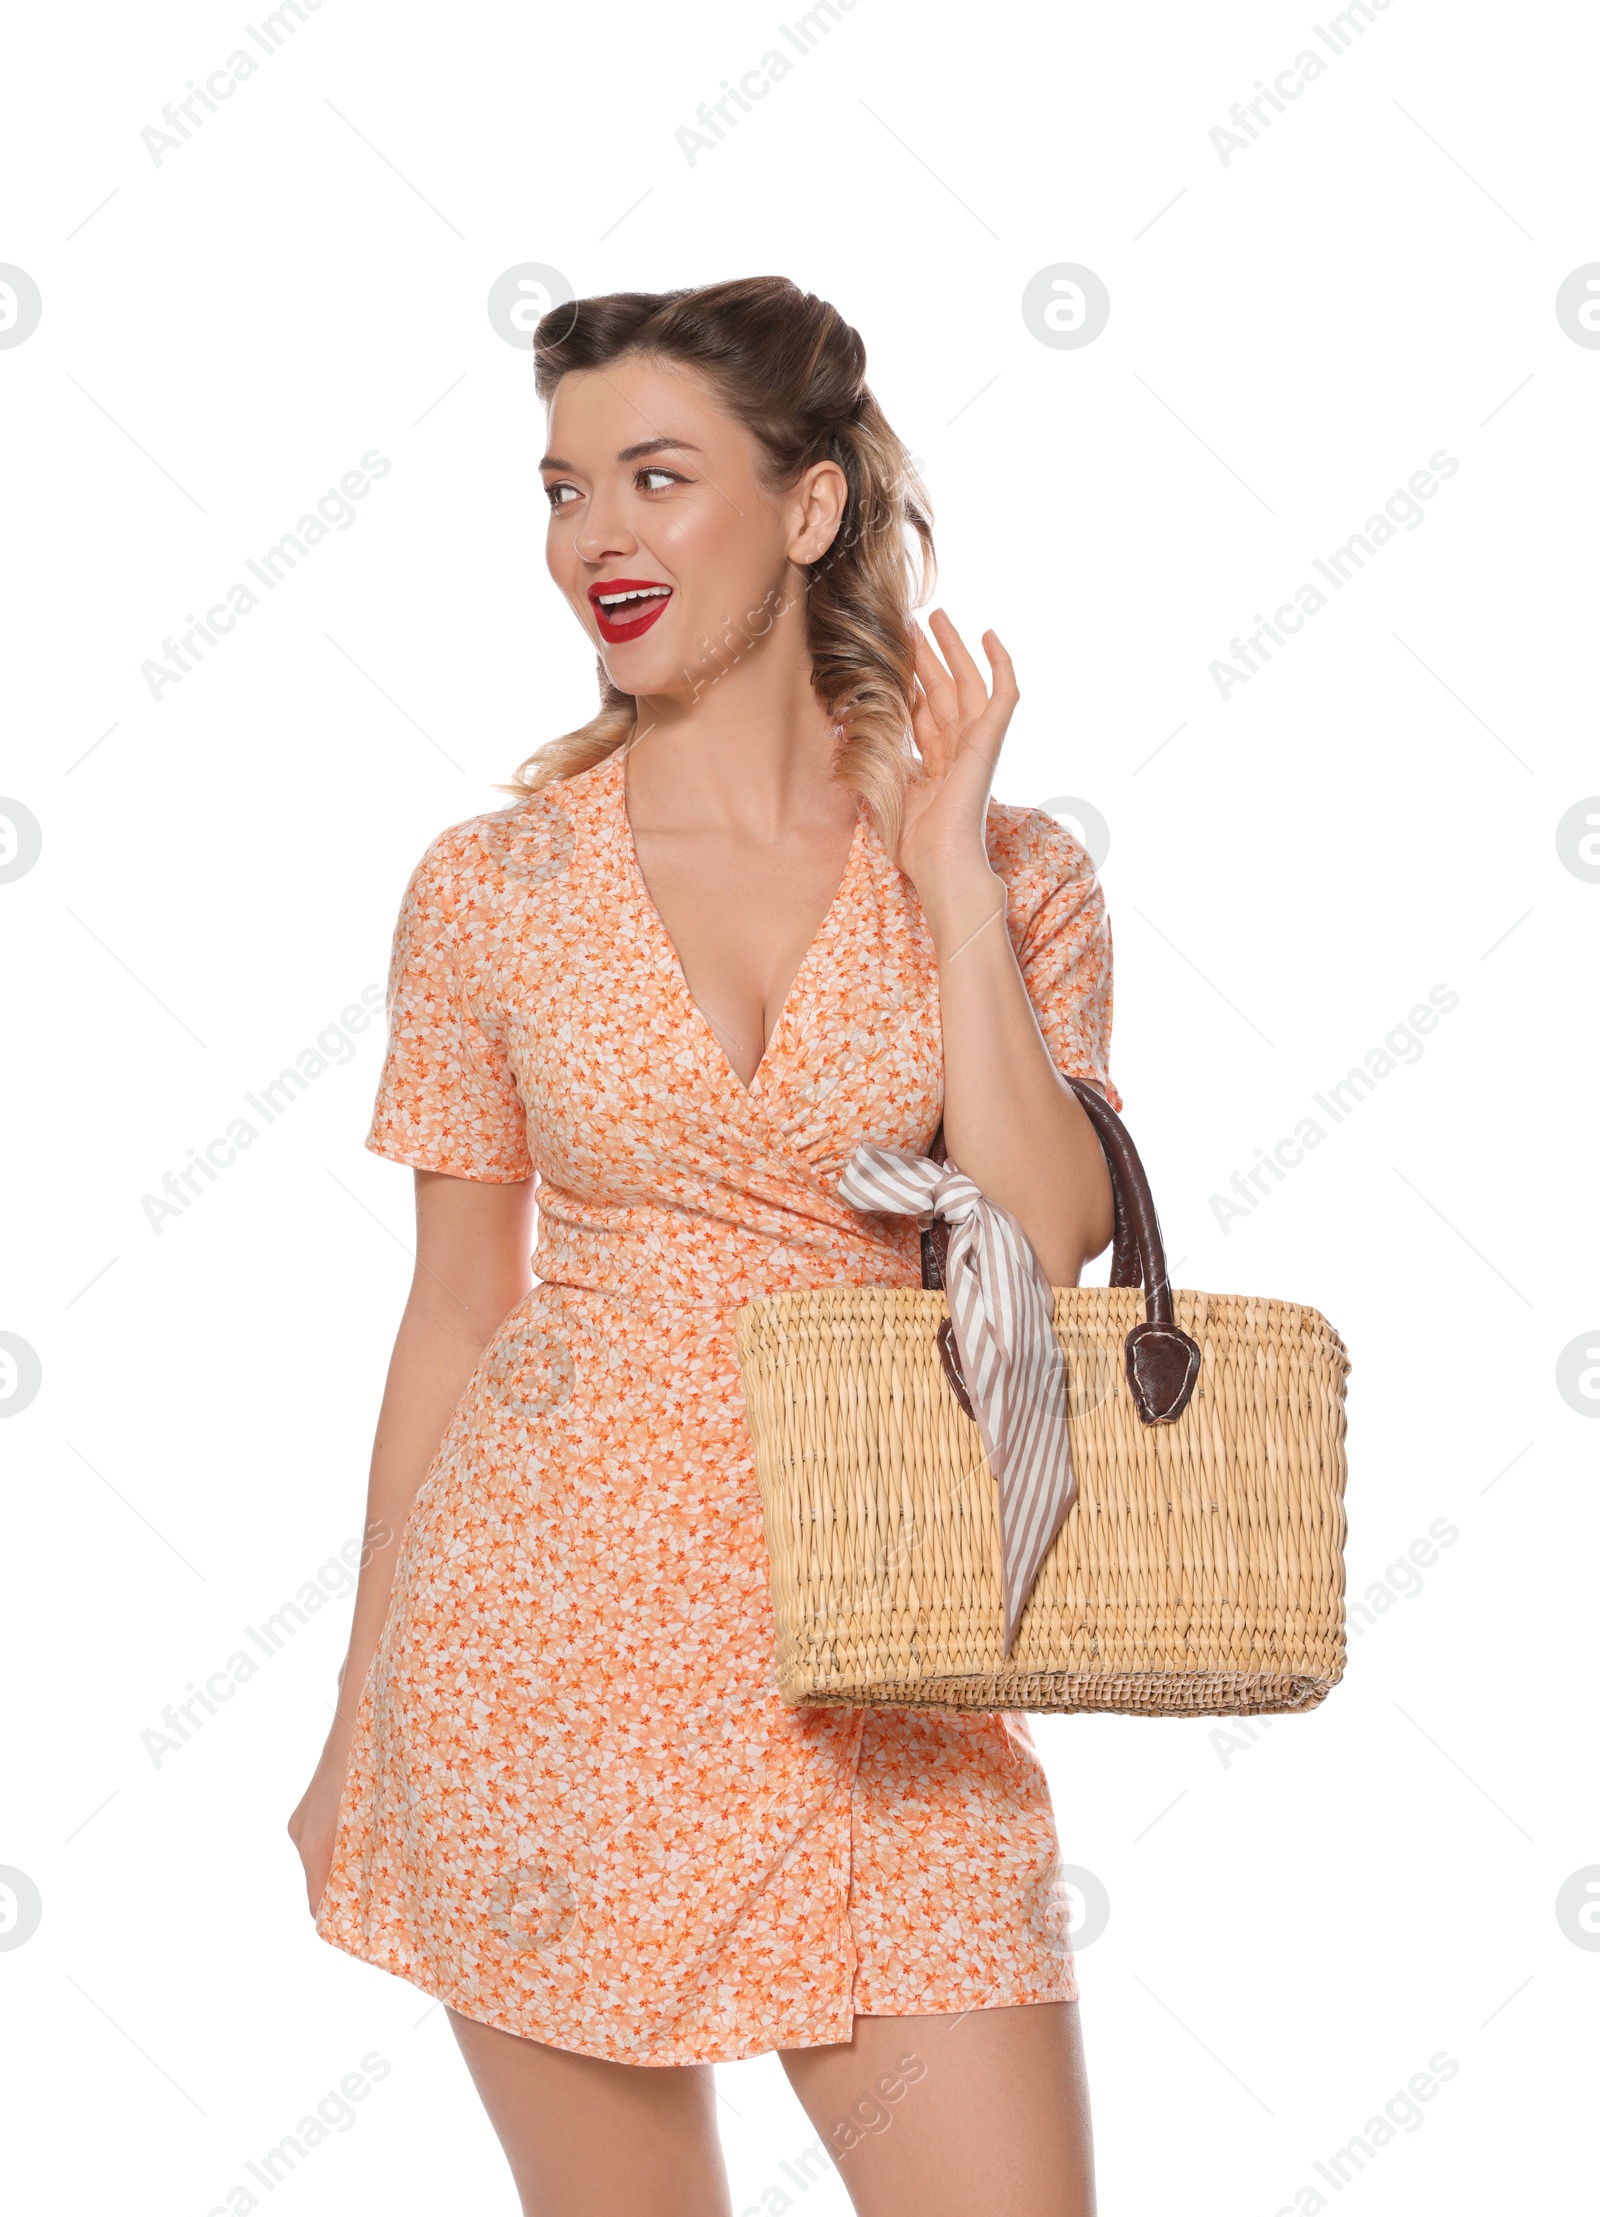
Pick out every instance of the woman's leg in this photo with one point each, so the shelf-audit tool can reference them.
(587, 2138)
(942, 2116)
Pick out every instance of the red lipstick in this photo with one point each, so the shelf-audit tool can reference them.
(635, 603)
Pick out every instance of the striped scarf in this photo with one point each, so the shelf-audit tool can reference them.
(1002, 1312)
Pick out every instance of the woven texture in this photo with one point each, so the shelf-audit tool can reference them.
(1199, 1573)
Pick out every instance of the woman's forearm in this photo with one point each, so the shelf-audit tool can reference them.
(472, 1269)
(1009, 1121)
(435, 1354)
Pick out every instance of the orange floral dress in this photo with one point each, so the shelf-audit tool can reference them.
(576, 1807)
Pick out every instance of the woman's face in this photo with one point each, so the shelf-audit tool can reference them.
(661, 535)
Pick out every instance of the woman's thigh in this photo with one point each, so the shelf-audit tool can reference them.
(587, 2138)
(941, 2116)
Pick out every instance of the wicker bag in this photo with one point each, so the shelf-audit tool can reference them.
(1200, 1571)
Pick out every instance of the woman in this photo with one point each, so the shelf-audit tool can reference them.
(726, 932)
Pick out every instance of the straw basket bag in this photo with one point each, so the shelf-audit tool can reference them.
(1200, 1569)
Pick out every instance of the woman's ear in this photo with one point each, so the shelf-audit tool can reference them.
(820, 499)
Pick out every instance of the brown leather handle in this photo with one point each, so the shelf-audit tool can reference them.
(1162, 1361)
(1134, 1202)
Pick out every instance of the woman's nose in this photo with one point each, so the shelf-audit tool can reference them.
(603, 535)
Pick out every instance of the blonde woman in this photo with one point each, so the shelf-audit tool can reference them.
(761, 909)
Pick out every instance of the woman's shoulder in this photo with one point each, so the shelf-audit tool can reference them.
(1036, 855)
(531, 840)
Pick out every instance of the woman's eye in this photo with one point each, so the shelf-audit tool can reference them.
(562, 492)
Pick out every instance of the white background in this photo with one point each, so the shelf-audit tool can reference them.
(1298, 1922)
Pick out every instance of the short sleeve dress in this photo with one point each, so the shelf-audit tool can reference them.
(576, 1807)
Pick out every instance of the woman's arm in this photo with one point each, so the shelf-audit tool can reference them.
(1010, 1122)
(474, 1241)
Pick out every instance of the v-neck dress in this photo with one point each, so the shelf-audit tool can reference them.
(576, 1807)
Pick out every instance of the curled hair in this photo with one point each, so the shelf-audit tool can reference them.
(790, 368)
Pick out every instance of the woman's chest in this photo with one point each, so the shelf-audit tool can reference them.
(625, 1080)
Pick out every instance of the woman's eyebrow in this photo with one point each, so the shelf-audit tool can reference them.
(628, 454)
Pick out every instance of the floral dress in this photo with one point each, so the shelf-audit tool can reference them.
(576, 1807)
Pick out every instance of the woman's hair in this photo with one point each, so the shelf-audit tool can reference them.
(793, 372)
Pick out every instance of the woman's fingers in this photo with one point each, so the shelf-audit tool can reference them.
(972, 694)
(935, 678)
(961, 693)
(954, 709)
(931, 736)
(1005, 677)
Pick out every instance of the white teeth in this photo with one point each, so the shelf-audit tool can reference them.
(650, 592)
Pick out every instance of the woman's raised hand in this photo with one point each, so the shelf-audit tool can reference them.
(959, 724)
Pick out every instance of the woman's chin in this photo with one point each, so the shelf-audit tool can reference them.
(648, 666)
(636, 673)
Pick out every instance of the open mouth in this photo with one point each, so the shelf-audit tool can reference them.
(625, 607)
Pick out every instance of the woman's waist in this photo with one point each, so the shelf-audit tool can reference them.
(701, 1263)
(663, 1289)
